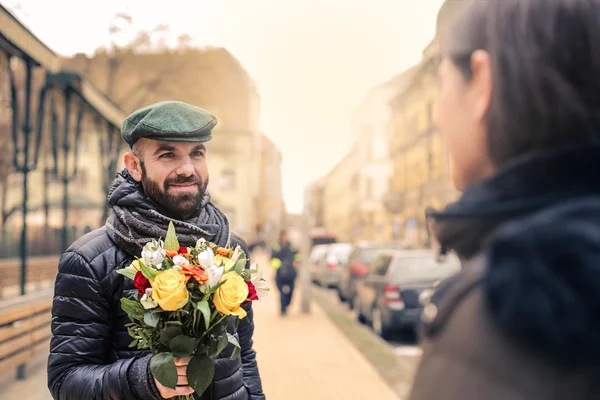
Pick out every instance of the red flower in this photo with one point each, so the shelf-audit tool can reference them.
(141, 283)
(252, 295)
(182, 250)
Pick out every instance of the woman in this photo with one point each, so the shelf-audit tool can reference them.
(519, 109)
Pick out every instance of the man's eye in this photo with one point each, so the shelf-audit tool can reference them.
(167, 155)
(198, 153)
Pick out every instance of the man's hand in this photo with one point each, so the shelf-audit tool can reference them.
(182, 383)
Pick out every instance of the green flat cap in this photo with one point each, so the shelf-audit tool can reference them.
(171, 121)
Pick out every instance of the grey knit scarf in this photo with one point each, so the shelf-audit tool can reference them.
(136, 219)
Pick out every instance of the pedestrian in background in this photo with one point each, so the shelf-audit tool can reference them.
(519, 109)
(284, 259)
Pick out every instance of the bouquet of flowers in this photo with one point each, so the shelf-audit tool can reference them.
(185, 296)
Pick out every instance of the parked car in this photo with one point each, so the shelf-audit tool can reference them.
(317, 256)
(389, 298)
(327, 272)
(358, 266)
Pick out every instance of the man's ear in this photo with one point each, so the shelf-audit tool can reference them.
(133, 165)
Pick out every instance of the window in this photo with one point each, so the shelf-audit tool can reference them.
(381, 264)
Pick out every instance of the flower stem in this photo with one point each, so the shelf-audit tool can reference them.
(210, 328)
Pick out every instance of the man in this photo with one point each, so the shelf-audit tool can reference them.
(165, 179)
(284, 259)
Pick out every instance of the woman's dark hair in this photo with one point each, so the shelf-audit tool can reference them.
(545, 57)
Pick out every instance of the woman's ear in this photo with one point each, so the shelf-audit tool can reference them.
(481, 83)
(133, 165)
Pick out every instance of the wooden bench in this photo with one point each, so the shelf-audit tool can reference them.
(24, 330)
(39, 269)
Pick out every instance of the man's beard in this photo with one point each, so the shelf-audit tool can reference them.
(175, 205)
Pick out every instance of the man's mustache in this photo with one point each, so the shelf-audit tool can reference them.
(182, 180)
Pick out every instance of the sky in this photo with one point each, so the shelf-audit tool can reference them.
(313, 61)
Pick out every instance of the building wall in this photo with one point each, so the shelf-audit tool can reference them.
(420, 164)
(271, 204)
(340, 199)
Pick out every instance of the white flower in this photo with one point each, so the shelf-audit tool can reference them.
(206, 258)
(201, 244)
(236, 254)
(262, 288)
(153, 256)
(214, 276)
(147, 301)
(180, 261)
(256, 272)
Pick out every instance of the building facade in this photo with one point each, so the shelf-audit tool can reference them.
(340, 201)
(420, 163)
(373, 129)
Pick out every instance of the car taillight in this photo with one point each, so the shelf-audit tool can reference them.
(391, 295)
(359, 269)
(331, 266)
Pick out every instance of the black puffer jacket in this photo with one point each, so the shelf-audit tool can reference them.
(89, 354)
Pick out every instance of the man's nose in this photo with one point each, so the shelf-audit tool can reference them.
(185, 169)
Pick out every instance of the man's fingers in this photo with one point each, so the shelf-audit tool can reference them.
(182, 371)
(182, 361)
(183, 390)
(182, 381)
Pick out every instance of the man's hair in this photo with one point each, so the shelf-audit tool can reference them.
(138, 149)
(544, 60)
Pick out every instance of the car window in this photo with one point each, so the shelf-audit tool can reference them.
(318, 252)
(339, 253)
(381, 264)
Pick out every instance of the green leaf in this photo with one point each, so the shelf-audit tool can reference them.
(171, 242)
(237, 323)
(133, 308)
(169, 333)
(183, 346)
(127, 272)
(149, 273)
(151, 319)
(162, 366)
(212, 347)
(218, 285)
(246, 275)
(223, 342)
(240, 265)
(205, 310)
(200, 373)
(236, 344)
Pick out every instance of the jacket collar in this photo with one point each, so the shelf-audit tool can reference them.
(530, 183)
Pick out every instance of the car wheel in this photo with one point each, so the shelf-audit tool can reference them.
(351, 303)
(341, 296)
(358, 316)
(378, 325)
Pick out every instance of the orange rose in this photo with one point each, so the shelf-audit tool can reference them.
(170, 253)
(224, 252)
(194, 272)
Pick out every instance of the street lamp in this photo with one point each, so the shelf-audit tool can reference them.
(66, 147)
(23, 142)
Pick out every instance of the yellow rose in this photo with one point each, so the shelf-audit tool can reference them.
(135, 265)
(230, 295)
(169, 290)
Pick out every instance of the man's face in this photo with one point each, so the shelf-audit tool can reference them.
(284, 238)
(173, 174)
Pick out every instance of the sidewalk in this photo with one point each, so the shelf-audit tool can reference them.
(301, 356)
(304, 356)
